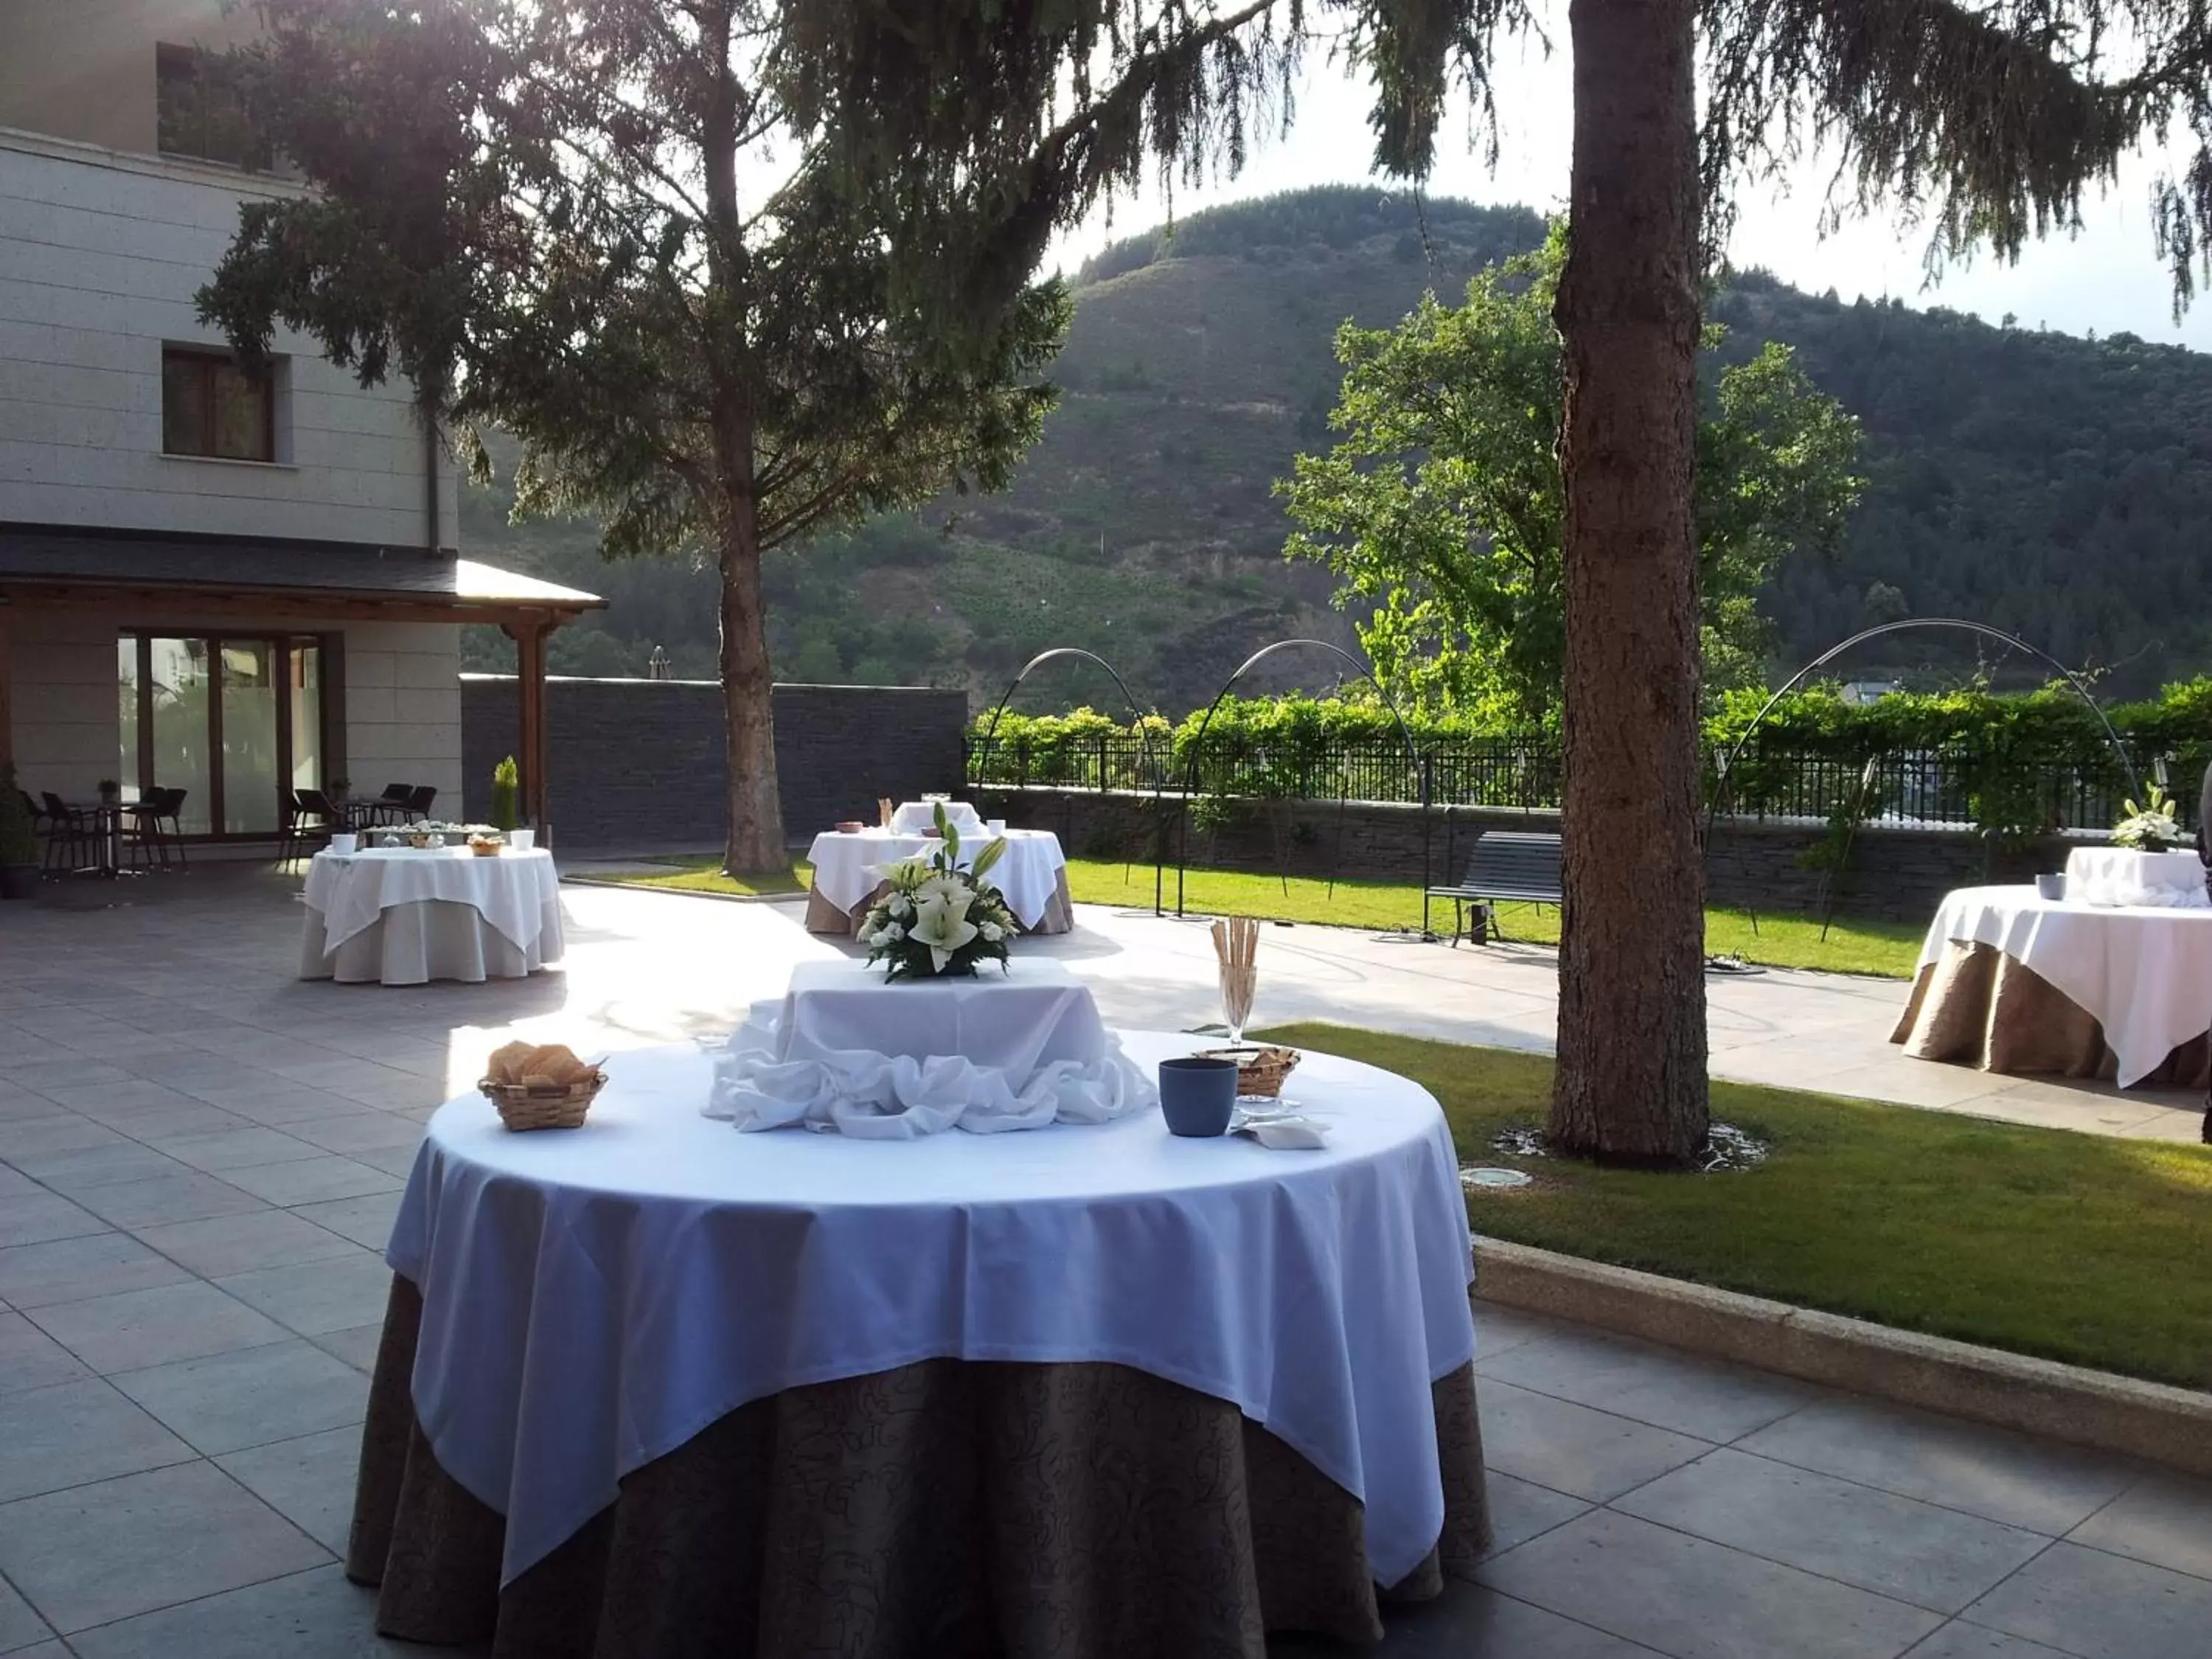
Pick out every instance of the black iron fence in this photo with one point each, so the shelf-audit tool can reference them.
(2010, 789)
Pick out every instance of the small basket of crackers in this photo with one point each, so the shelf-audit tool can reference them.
(541, 1086)
(1261, 1072)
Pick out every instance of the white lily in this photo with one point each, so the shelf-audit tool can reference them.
(944, 930)
(948, 891)
(900, 905)
(906, 874)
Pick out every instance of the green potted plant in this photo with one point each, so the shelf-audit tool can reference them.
(19, 841)
(505, 781)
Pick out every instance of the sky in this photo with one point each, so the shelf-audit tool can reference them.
(2107, 278)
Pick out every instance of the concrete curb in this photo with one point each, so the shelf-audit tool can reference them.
(2149, 1421)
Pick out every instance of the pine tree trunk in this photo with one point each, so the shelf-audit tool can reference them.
(1630, 1084)
(755, 844)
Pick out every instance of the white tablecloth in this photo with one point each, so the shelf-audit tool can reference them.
(912, 817)
(2145, 974)
(845, 1049)
(407, 916)
(1027, 872)
(593, 1298)
(2108, 875)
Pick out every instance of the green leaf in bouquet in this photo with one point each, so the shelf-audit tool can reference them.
(984, 859)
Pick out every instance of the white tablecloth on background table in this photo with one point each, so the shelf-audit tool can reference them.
(405, 916)
(2144, 973)
(2118, 876)
(845, 1049)
(1027, 872)
(913, 817)
(593, 1298)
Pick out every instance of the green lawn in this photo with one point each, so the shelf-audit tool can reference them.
(705, 876)
(2072, 1247)
(1852, 947)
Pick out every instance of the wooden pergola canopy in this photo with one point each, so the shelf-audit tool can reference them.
(203, 581)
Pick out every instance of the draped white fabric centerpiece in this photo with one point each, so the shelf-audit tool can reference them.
(842, 1050)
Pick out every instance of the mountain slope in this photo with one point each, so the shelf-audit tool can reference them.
(2051, 485)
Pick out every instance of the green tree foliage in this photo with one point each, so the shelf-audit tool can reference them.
(1440, 510)
(593, 224)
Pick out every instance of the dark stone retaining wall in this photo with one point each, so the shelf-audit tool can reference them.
(639, 763)
(1900, 874)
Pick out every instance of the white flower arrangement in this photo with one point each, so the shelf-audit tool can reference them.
(2150, 828)
(937, 918)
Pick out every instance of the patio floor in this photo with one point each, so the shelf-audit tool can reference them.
(199, 1156)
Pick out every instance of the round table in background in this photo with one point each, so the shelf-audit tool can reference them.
(1083, 1390)
(2016, 983)
(1032, 874)
(408, 915)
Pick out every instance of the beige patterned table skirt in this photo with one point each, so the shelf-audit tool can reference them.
(1978, 1006)
(825, 917)
(942, 1511)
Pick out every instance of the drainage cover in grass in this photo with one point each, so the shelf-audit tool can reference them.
(1493, 1178)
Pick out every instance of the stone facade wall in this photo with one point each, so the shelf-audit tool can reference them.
(639, 763)
(1900, 875)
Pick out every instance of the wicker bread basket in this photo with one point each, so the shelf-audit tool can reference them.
(559, 1107)
(1260, 1072)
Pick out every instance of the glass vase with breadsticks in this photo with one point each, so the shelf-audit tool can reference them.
(1260, 1070)
(541, 1085)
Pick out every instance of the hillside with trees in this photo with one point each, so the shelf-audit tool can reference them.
(2052, 485)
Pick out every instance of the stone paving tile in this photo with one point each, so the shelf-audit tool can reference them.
(236, 1149)
(307, 1480)
(2166, 1521)
(137, 1328)
(305, 1615)
(1697, 1599)
(187, 1195)
(2102, 1607)
(35, 1219)
(1521, 1509)
(85, 1168)
(75, 1433)
(1960, 1640)
(2037, 1484)
(316, 1298)
(19, 1627)
(29, 1359)
(223, 1245)
(357, 1346)
(361, 1132)
(367, 1221)
(312, 1179)
(1573, 1450)
(1668, 1388)
(54, 1131)
(91, 1555)
(1897, 1547)
(226, 1403)
(73, 1269)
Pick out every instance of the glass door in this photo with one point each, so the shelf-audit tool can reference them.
(234, 721)
(252, 772)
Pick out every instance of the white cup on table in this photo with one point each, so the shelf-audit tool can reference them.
(996, 826)
(344, 842)
(522, 840)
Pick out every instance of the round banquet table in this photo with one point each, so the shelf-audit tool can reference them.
(658, 1387)
(1032, 874)
(403, 915)
(2013, 982)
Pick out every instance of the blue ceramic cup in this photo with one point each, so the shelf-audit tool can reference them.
(1197, 1094)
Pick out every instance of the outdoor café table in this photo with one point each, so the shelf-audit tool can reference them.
(656, 1386)
(1032, 874)
(2015, 983)
(405, 916)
